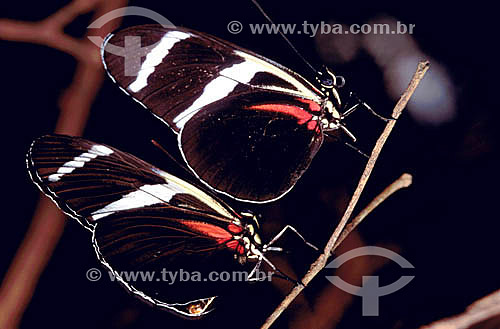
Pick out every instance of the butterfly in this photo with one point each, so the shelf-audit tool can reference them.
(246, 126)
(144, 219)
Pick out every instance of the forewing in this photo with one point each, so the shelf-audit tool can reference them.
(90, 181)
(174, 72)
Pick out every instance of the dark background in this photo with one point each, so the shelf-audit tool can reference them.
(445, 224)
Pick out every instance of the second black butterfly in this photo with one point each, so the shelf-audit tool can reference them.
(146, 221)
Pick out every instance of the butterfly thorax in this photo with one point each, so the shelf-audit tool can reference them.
(250, 239)
(330, 117)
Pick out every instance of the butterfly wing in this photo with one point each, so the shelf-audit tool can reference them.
(246, 146)
(89, 181)
(142, 218)
(192, 80)
(165, 255)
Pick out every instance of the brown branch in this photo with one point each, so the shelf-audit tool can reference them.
(320, 263)
(332, 302)
(480, 311)
(50, 31)
(332, 295)
(402, 182)
(48, 222)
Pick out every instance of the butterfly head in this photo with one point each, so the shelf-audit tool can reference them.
(332, 117)
(329, 83)
(326, 78)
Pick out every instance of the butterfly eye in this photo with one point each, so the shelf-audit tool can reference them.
(327, 79)
(327, 83)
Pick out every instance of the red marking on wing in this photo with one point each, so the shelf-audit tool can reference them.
(311, 125)
(213, 231)
(235, 245)
(313, 106)
(302, 115)
(240, 249)
(234, 228)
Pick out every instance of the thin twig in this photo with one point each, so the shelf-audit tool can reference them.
(402, 182)
(320, 263)
(342, 299)
(482, 310)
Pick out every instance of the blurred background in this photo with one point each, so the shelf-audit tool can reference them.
(446, 224)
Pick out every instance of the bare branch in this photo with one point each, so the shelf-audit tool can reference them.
(48, 221)
(482, 310)
(320, 263)
(402, 182)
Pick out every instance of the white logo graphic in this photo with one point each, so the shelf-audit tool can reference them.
(133, 51)
(370, 289)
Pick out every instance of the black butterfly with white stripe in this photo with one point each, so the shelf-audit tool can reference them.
(247, 127)
(144, 219)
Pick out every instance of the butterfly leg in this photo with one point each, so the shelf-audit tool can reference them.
(251, 275)
(278, 273)
(280, 234)
(349, 111)
(348, 145)
(360, 102)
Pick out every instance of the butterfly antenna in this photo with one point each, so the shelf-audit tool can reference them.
(284, 37)
(155, 143)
